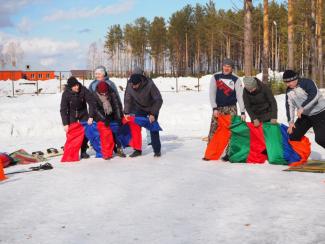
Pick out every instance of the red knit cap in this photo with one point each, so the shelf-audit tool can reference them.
(102, 87)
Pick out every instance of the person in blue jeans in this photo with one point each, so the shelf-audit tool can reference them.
(142, 98)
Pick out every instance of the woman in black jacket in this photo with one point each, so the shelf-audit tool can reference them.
(108, 109)
(74, 108)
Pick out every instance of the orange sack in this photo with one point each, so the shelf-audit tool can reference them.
(220, 139)
(302, 148)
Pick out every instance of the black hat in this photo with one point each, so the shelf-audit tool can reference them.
(289, 75)
(136, 78)
(72, 81)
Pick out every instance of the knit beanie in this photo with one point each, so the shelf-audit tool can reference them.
(136, 79)
(289, 75)
(228, 61)
(102, 69)
(102, 87)
(137, 70)
(72, 81)
(250, 83)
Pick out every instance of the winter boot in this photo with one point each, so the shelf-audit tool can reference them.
(135, 153)
(84, 155)
(225, 158)
(120, 152)
(157, 155)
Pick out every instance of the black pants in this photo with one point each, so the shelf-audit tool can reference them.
(116, 141)
(155, 141)
(155, 138)
(305, 123)
(84, 145)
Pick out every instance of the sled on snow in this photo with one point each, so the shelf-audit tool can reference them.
(312, 166)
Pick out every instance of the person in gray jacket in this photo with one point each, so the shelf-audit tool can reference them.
(142, 98)
(138, 70)
(303, 96)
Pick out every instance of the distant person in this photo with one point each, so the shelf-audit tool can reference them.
(74, 108)
(303, 97)
(259, 101)
(142, 98)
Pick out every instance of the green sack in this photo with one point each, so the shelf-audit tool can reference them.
(273, 141)
(239, 145)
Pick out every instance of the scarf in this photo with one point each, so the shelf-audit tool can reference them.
(106, 104)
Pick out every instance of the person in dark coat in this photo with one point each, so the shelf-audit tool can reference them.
(108, 109)
(142, 98)
(74, 108)
(259, 101)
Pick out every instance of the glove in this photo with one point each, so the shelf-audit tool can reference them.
(106, 122)
(274, 121)
(256, 122)
(243, 117)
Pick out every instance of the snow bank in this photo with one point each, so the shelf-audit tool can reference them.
(53, 86)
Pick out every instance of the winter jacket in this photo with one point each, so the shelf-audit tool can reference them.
(74, 105)
(146, 98)
(305, 95)
(93, 86)
(117, 113)
(226, 90)
(260, 104)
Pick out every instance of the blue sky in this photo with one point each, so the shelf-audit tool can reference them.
(57, 33)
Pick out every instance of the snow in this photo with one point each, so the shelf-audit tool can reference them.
(177, 198)
(273, 75)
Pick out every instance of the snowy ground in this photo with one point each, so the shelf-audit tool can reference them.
(177, 198)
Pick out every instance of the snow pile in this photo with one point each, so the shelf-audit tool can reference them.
(273, 75)
(165, 84)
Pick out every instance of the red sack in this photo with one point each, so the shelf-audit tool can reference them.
(5, 159)
(2, 173)
(106, 140)
(75, 136)
(257, 145)
(136, 136)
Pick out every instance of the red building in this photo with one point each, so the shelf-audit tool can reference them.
(27, 75)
